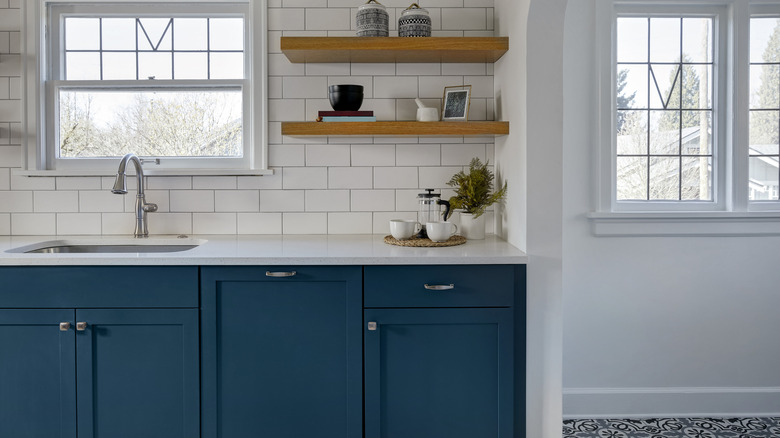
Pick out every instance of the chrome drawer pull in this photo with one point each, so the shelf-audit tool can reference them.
(81, 326)
(280, 274)
(64, 326)
(440, 286)
(372, 325)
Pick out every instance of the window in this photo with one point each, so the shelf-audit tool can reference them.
(690, 129)
(178, 84)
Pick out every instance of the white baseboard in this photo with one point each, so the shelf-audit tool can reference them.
(671, 402)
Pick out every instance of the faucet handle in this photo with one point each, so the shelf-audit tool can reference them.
(150, 208)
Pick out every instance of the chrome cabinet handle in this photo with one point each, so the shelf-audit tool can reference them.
(81, 326)
(440, 286)
(280, 274)
(64, 326)
(372, 325)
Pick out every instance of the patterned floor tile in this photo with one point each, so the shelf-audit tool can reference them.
(674, 428)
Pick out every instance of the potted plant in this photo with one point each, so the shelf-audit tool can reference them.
(473, 194)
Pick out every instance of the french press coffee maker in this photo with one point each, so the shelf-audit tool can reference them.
(430, 210)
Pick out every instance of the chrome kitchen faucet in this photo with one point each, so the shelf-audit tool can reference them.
(141, 206)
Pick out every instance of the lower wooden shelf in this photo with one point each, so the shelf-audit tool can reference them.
(395, 129)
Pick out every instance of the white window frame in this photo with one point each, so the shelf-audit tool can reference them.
(41, 20)
(730, 212)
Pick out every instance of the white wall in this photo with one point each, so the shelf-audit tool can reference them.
(657, 325)
(335, 186)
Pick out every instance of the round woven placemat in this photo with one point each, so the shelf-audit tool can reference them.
(425, 243)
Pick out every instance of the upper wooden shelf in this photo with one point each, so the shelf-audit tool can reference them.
(394, 49)
(395, 129)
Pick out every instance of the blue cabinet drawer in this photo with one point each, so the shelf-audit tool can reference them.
(98, 286)
(439, 286)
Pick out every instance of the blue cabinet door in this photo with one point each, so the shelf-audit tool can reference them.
(282, 352)
(37, 374)
(137, 373)
(439, 373)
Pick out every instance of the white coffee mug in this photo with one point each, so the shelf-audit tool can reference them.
(403, 229)
(440, 231)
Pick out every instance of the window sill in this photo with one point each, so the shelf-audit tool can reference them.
(148, 172)
(608, 224)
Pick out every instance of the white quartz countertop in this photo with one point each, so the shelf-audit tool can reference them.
(267, 250)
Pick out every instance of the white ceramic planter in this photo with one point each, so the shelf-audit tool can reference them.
(470, 228)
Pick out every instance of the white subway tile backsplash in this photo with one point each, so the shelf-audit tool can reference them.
(464, 19)
(274, 87)
(395, 177)
(192, 200)
(406, 200)
(278, 65)
(305, 3)
(5, 179)
(373, 155)
(481, 86)
(373, 200)
(281, 110)
(286, 155)
(165, 182)
(327, 200)
(350, 177)
(327, 69)
(27, 183)
(16, 201)
(236, 200)
(305, 87)
(466, 69)
(384, 109)
(99, 201)
(372, 69)
(12, 66)
(421, 69)
(5, 224)
(78, 183)
(350, 223)
(478, 109)
(281, 200)
(170, 223)
(79, 224)
(478, 3)
(10, 19)
(261, 182)
(259, 223)
(433, 86)
(395, 87)
(406, 109)
(10, 156)
(214, 223)
(418, 155)
(56, 202)
(305, 223)
(328, 155)
(461, 154)
(30, 224)
(286, 19)
(214, 182)
(305, 178)
(437, 177)
(328, 18)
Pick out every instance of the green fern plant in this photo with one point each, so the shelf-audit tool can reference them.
(473, 189)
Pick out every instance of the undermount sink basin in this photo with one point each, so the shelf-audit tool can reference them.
(107, 246)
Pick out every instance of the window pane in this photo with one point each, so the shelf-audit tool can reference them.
(191, 65)
(697, 39)
(631, 86)
(632, 133)
(82, 34)
(226, 34)
(82, 66)
(665, 132)
(665, 40)
(764, 133)
(227, 66)
(118, 34)
(154, 34)
(665, 86)
(664, 178)
(763, 178)
(154, 65)
(696, 88)
(190, 34)
(696, 179)
(765, 86)
(632, 178)
(632, 39)
(696, 133)
(118, 66)
(764, 35)
(157, 124)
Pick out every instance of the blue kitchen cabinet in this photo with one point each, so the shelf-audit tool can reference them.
(37, 374)
(76, 362)
(444, 351)
(281, 352)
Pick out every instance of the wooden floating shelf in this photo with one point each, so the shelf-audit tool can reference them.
(395, 129)
(394, 49)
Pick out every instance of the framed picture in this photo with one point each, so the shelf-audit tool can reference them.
(455, 103)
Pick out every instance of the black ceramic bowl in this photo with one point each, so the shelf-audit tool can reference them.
(345, 97)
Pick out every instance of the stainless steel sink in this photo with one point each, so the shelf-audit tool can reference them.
(110, 246)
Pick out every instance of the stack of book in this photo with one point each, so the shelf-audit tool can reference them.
(346, 116)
